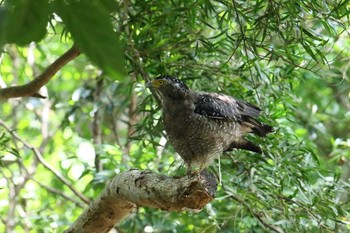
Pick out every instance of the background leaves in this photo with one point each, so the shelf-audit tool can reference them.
(289, 58)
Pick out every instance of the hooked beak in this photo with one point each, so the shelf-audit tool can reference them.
(149, 84)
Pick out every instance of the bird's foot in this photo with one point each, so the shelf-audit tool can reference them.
(191, 173)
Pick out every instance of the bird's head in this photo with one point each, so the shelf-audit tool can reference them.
(169, 87)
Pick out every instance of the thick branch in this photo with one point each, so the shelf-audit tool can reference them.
(144, 188)
(31, 88)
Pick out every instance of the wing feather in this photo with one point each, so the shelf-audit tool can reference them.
(223, 107)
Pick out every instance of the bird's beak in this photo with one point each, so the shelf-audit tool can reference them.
(149, 84)
(155, 83)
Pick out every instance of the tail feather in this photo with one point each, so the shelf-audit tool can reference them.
(248, 109)
(262, 130)
(257, 128)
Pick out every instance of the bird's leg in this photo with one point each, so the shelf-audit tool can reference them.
(191, 171)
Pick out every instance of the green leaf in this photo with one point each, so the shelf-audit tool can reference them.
(23, 21)
(309, 51)
(14, 151)
(311, 35)
(93, 34)
(110, 5)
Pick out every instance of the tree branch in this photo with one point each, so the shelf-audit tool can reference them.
(59, 193)
(96, 123)
(31, 88)
(257, 215)
(132, 119)
(144, 188)
(41, 159)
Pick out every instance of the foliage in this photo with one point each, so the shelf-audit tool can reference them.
(92, 33)
(288, 57)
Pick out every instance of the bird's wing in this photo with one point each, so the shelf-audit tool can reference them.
(219, 106)
(223, 107)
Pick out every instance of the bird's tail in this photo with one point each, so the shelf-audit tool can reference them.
(262, 130)
(257, 128)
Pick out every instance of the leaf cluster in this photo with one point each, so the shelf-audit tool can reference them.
(23, 22)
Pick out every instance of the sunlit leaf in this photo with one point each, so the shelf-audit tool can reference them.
(93, 33)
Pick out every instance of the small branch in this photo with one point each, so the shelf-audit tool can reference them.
(256, 215)
(245, 47)
(132, 120)
(59, 193)
(114, 120)
(31, 88)
(3, 220)
(144, 188)
(45, 164)
(10, 222)
(137, 60)
(96, 123)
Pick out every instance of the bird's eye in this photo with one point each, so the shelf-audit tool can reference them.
(157, 83)
(160, 82)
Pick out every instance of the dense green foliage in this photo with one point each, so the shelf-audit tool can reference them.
(288, 57)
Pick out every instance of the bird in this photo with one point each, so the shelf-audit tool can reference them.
(201, 126)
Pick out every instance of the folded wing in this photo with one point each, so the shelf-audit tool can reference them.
(223, 107)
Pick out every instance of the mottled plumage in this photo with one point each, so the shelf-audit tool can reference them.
(201, 126)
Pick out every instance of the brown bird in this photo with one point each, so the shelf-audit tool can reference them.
(201, 126)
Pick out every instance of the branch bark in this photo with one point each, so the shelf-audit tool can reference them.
(144, 188)
(32, 88)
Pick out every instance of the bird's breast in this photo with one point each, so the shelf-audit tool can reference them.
(194, 136)
(197, 138)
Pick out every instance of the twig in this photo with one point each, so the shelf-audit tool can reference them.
(245, 47)
(137, 59)
(31, 88)
(45, 164)
(2, 220)
(133, 119)
(58, 192)
(256, 215)
(96, 123)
